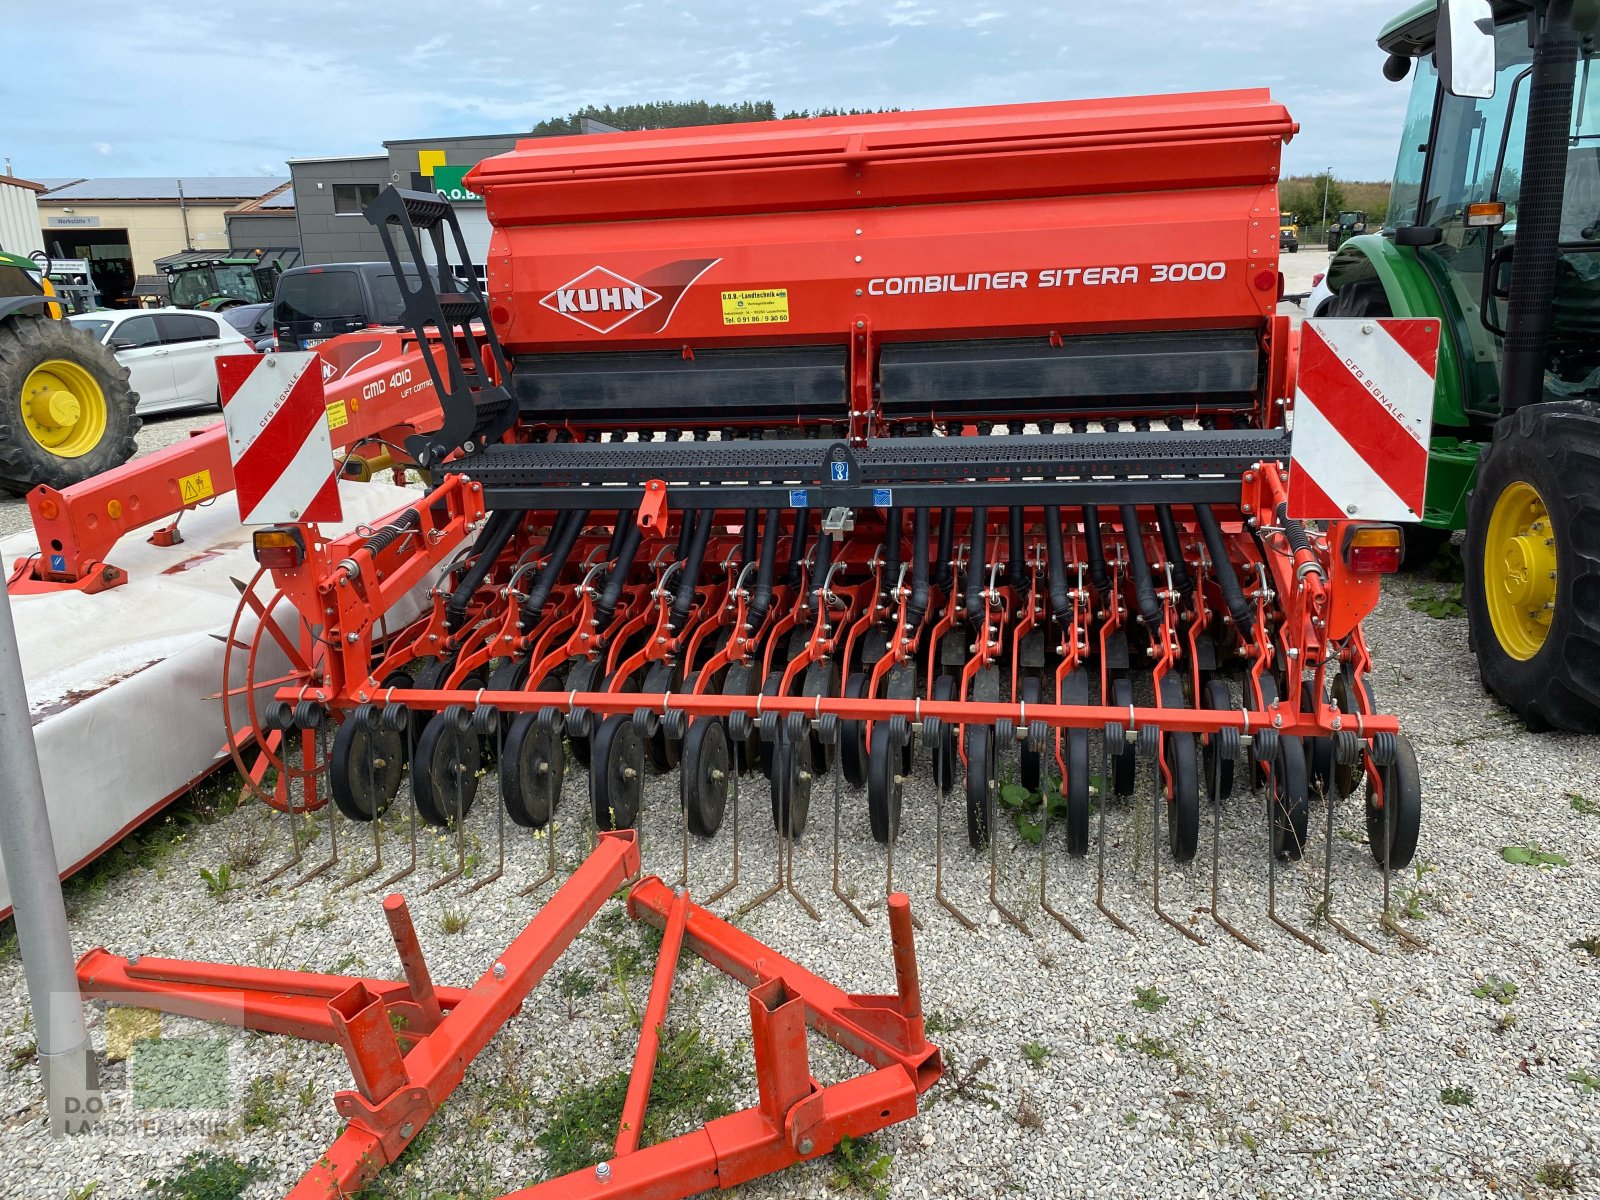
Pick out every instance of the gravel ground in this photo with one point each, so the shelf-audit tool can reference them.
(1154, 1066)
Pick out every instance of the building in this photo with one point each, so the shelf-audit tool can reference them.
(19, 215)
(265, 224)
(123, 225)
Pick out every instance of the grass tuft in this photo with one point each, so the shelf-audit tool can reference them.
(206, 1175)
(859, 1166)
(1459, 1097)
(1148, 999)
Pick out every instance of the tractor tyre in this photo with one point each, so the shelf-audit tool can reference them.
(66, 411)
(1532, 559)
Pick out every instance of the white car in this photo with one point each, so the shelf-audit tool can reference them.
(169, 352)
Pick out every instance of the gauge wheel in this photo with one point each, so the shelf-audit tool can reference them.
(1218, 770)
(532, 767)
(885, 786)
(979, 746)
(616, 774)
(364, 768)
(1402, 787)
(704, 773)
(853, 735)
(791, 785)
(1030, 762)
(1122, 763)
(1075, 787)
(444, 777)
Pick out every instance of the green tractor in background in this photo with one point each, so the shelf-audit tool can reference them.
(1349, 225)
(218, 283)
(1494, 230)
(66, 411)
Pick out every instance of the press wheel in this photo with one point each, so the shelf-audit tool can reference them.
(1290, 809)
(769, 687)
(662, 750)
(444, 777)
(703, 775)
(821, 680)
(1217, 769)
(1030, 762)
(1122, 763)
(979, 747)
(616, 774)
(885, 786)
(581, 678)
(532, 767)
(791, 784)
(737, 682)
(853, 735)
(1319, 750)
(944, 753)
(1402, 787)
(1075, 787)
(364, 769)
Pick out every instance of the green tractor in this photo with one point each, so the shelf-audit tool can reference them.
(1349, 225)
(66, 411)
(1494, 230)
(216, 284)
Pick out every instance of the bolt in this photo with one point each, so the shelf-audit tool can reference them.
(602, 1172)
(629, 774)
(499, 970)
(861, 324)
(805, 1146)
(352, 638)
(407, 1129)
(1351, 509)
(1366, 327)
(294, 513)
(133, 960)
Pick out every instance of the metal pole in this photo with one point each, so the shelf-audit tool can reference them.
(66, 1059)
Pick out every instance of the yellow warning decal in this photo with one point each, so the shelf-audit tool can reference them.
(196, 487)
(769, 306)
(338, 416)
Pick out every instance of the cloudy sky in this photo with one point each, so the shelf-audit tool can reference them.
(165, 87)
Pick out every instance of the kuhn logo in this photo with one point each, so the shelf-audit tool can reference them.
(600, 299)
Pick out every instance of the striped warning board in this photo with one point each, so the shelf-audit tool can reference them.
(1363, 414)
(283, 466)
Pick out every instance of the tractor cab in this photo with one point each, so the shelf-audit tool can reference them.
(218, 284)
(1349, 225)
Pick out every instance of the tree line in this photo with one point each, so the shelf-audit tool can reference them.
(679, 114)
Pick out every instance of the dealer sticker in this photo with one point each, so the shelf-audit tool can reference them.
(338, 415)
(769, 306)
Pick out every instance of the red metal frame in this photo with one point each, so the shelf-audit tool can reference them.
(409, 1043)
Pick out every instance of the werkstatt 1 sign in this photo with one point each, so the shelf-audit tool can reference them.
(447, 182)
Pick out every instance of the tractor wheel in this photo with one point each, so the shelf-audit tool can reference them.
(1358, 298)
(66, 411)
(1532, 558)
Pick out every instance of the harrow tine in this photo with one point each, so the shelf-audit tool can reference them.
(994, 860)
(411, 820)
(788, 880)
(1044, 860)
(308, 755)
(377, 840)
(733, 801)
(282, 788)
(1216, 855)
(1153, 760)
(461, 839)
(838, 789)
(1113, 732)
(500, 818)
(1272, 871)
(938, 862)
(1332, 795)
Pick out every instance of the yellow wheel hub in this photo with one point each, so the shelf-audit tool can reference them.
(63, 408)
(1519, 570)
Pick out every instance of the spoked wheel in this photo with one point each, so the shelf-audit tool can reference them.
(737, 682)
(1030, 762)
(1218, 770)
(979, 746)
(885, 785)
(704, 772)
(662, 750)
(1402, 789)
(616, 773)
(365, 765)
(944, 753)
(444, 777)
(1122, 763)
(853, 735)
(821, 679)
(791, 785)
(532, 767)
(1075, 787)
(1319, 750)
(582, 677)
(1183, 783)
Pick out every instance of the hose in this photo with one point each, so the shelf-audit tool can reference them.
(747, 548)
(761, 598)
(1060, 594)
(947, 545)
(1017, 566)
(976, 564)
(1244, 616)
(819, 569)
(894, 529)
(606, 607)
(485, 553)
(1097, 550)
(797, 545)
(618, 532)
(1174, 548)
(917, 605)
(683, 600)
(1143, 589)
(560, 550)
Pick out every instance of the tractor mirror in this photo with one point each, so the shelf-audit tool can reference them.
(1464, 48)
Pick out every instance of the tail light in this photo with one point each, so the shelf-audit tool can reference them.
(279, 548)
(1369, 549)
(1318, 278)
